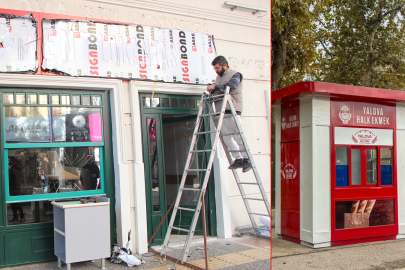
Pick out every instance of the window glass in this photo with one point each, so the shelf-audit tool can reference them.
(43, 99)
(183, 103)
(165, 102)
(191, 103)
(372, 176)
(154, 164)
(55, 99)
(32, 98)
(86, 100)
(386, 166)
(76, 100)
(96, 100)
(342, 166)
(364, 213)
(9, 98)
(72, 124)
(174, 103)
(29, 212)
(34, 171)
(356, 167)
(27, 124)
(20, 98)
(65, 99)
(150, 102)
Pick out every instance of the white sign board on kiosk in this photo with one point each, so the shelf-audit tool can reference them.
(363, 136)
(95, 49)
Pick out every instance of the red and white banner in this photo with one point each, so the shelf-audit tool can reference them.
(363, 136)
(18, 43)
(84, 48)
(362, 114)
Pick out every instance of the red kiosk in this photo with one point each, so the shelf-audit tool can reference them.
(340, 156)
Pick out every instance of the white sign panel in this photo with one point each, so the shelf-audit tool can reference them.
(363, 136)
(18, 43)
(83, 48)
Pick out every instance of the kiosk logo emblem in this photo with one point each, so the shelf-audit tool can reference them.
(289, 171)
(283, 123)
(345, 114)
(364, 137)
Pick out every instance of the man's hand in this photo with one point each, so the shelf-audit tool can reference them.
(210, 88)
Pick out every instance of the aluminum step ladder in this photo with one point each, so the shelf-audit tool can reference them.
(217, 117)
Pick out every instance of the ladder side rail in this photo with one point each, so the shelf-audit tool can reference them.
(241, 190)
(251, 160)
(183, 179)
(206, 178)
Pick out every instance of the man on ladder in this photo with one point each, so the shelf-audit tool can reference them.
(233, 79)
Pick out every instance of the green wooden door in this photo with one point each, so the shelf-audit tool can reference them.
(167, 126)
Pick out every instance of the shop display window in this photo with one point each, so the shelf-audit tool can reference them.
(364, 213)
(54, 150)
(369, 166)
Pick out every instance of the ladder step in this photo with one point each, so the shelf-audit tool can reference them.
(248, 183)
(230, 134)
(192, 189)
(186, 209)
(206, 132)
(180, 229)
(263, 229)
(196, 170)
(236, 150)
(260, 214)
(221, 95)
(201, 151)
(253, 199)
(209, 114)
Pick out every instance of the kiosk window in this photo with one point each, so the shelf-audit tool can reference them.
(342, 166)
(356, 167)
(371, 155)
(386, 166)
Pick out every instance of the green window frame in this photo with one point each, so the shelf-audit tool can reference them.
(95, 102)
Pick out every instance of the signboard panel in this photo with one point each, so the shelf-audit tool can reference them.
(363, 136)
(362, 114)
(18, 43)
(95, 49)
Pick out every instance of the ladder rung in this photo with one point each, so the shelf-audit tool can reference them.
(186, 209)
(180, 229)
(196, 170)
(221, 95)
(230, 134)
(206, 132)
(236, 150)
(209, 114)
(248, 183)
(263, 229)
(260, 214)
(253, 199)
(193, 189)
(201, 151)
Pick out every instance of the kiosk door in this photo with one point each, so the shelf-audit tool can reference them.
(290, 189)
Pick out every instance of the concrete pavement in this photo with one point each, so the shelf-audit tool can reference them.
(244, 252)
(375, 256)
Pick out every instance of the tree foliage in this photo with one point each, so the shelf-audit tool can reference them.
(362, 43)
(293, 43)
(357, 42)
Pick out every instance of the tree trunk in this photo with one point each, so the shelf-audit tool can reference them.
(279, 56)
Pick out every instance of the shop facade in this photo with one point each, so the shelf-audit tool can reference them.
(139, 132)
(338, 150)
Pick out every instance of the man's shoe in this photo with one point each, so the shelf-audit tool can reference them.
(14, 219)
(238, 163)
(246, 165)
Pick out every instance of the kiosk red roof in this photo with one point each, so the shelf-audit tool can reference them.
(337, 90)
